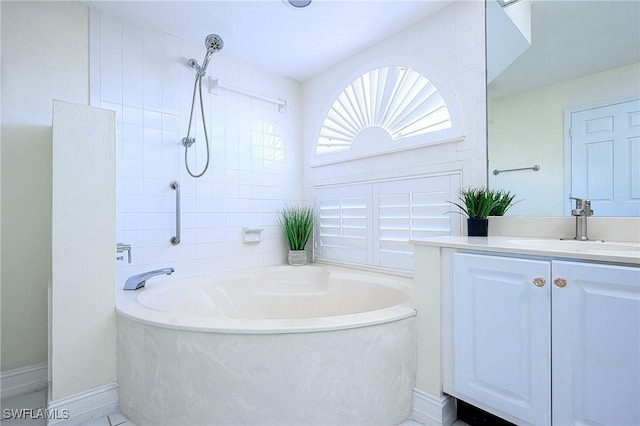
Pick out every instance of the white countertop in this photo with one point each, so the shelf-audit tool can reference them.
(609, 251)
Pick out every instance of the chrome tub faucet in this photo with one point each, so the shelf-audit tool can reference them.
(134, 282)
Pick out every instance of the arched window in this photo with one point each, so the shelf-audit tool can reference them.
(385, 107)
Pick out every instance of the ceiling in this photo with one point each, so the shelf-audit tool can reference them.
(296, 43)
(571, 39)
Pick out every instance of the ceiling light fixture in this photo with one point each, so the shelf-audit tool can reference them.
(299, 3)
(505, 3)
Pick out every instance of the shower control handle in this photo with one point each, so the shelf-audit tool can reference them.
(121, 248)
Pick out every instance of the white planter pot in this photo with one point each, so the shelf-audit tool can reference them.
(298, 257)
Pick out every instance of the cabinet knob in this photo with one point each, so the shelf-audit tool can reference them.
(539, 282)
(560, 282)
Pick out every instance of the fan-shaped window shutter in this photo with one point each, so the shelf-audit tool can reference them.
(401, 101)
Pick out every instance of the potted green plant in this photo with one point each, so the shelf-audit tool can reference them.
(480, 203)
(297, 224)
(503, 202)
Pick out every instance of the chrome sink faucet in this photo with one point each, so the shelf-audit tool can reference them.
(581, 212)
(134, 282)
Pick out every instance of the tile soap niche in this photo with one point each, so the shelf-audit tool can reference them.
(251, 235)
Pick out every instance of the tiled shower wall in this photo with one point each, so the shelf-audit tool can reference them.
(255, 151)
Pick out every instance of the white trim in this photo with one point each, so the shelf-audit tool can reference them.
(84, 407)
(566, 209)
(23, 380)
(568, 111)
(431, 410)
(337, 158)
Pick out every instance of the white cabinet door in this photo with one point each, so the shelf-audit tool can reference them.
(502, 335)
(596, 344)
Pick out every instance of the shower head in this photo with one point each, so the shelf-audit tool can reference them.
(213, 43)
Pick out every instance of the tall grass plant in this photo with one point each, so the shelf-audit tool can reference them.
(297, 224)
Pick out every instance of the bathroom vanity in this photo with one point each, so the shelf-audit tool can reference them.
(536, 331)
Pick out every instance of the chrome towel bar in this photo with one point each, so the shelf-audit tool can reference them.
(534, 168)
(176, 239)
(214, 85)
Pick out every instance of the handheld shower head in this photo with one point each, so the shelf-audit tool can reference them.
(213, 43)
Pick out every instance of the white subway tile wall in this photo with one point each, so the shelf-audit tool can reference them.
(142, 74)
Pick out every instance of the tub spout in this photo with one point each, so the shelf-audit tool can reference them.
(134, 282)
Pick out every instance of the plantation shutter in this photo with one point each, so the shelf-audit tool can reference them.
(343, 217)
(373, 223)
(411, 209)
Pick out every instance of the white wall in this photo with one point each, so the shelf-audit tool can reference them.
(449, 45)
(45, 48)
(528, 128)
(255, 151)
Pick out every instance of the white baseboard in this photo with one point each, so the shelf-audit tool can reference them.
(432, 410)
(23, 380)
(84, 407)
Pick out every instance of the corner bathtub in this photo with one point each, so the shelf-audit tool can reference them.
(278, 345)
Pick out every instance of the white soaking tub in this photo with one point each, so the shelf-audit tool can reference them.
(277, 345)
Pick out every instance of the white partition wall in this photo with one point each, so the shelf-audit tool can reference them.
(82, 342)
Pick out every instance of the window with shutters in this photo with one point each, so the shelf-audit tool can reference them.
(386, 109)
(373, 223)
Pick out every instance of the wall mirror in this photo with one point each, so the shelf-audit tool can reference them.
(563, 89)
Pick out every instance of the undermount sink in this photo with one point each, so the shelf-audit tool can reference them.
(578, 246)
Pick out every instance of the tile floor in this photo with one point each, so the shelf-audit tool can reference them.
(38, 400)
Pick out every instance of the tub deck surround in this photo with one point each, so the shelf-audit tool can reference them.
(276, 345)
(280, 299)
(609, 251)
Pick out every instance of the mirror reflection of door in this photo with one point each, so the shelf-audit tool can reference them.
(581, 54)
(605, 157)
